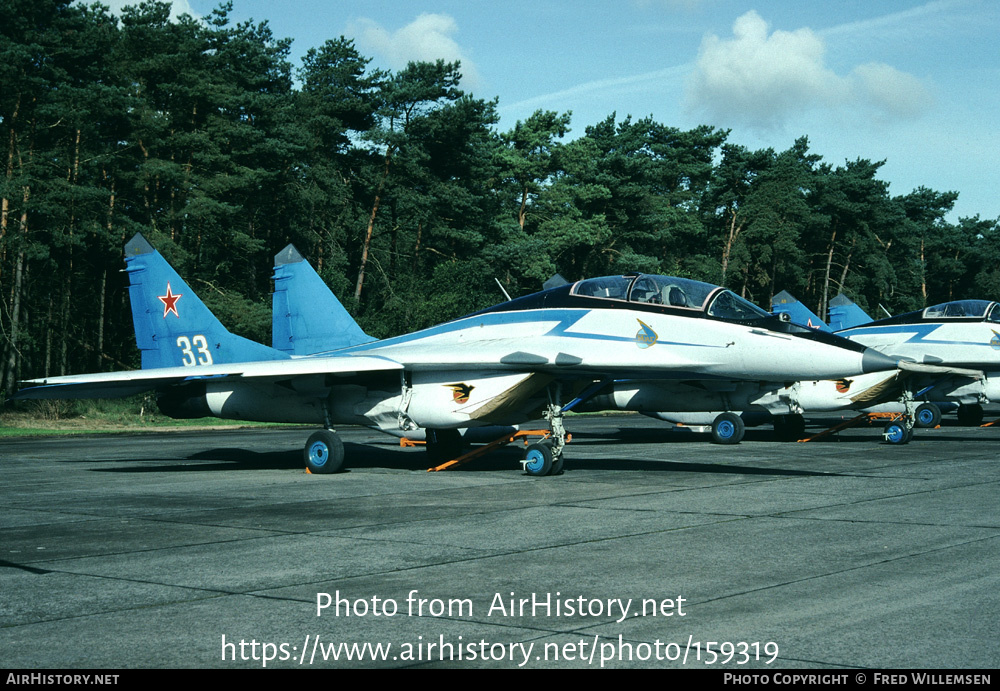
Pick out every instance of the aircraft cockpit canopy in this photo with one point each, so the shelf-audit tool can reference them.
(964, 309)
(672, 292)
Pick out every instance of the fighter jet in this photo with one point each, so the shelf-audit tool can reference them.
(546, 352)
(308, 319)
(948, 352)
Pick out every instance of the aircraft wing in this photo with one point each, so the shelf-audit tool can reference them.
(119, 384)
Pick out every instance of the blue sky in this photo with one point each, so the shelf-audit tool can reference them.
(914, 82)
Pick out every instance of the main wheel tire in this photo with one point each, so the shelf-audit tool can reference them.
(927, 415)
(897, 433)
(324, 452)
(728, 428)
(557, 464)
(970, 415)
(444, 444)
(538, 459)
(789, 427)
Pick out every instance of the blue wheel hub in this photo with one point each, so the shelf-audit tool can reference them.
(894, 434)
(319, 453)
(726, 429)
(536, 461)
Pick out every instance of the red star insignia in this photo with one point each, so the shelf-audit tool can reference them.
(170, 302)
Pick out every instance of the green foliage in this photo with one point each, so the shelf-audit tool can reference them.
(397, 186)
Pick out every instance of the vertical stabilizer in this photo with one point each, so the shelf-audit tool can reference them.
(173, 327)
(306, 317)
(799, 313)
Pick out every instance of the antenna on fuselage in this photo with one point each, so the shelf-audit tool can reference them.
(505, 293)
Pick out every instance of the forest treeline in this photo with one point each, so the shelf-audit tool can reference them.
(398, 186)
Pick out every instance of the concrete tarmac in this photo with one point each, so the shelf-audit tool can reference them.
(653, 549)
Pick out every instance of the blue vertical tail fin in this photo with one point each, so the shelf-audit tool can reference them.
(306, 317)
(173, 327)
(799, 313)
(845, 314)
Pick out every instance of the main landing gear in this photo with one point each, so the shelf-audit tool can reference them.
(728, 428)
(444, 444)
(324, 452)
(970, 415)
(789, 427)
(927, 415)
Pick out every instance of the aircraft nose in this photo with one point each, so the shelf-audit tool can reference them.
(874, 361)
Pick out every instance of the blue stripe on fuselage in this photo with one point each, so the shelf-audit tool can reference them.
(565, 318)
(921, 333)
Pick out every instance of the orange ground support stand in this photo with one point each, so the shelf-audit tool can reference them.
(487, 448)
(863, 419)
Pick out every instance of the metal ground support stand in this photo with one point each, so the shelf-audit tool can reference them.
(487, 448)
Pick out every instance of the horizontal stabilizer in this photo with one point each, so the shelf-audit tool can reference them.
(118, 384)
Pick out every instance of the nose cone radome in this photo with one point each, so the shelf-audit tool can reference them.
(874, 361)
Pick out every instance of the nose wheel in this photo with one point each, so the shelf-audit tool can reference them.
(897, 432)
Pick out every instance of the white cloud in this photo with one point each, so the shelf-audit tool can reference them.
(759, 79)
(890, 91)
(426, 39)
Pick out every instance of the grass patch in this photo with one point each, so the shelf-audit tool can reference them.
(133, 414)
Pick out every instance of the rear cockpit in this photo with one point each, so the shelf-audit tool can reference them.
(956, 310)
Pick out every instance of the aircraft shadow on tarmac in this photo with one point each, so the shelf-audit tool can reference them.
(229, 459)
(388, 456)
(861, 434)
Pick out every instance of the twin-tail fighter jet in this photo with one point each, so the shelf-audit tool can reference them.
(949, 353)
(543, 353)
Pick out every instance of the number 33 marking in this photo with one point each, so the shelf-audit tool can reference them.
(204, 355)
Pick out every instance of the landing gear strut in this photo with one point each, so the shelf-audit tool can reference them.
(901, 431)
(546, 457)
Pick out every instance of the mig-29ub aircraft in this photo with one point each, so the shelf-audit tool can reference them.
(500, 365)
(300, 326)
(308, 319)
(949, 354)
